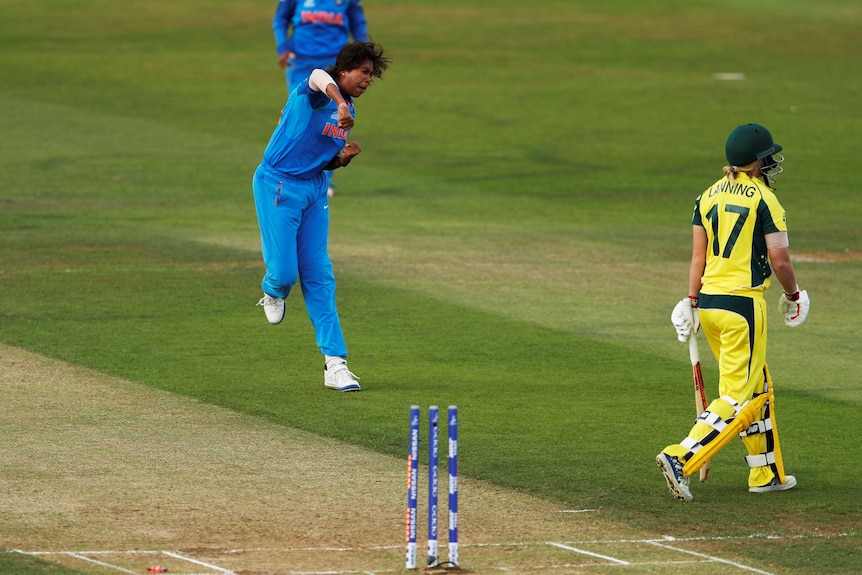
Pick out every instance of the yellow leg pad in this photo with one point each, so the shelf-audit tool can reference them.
(776, 447)
(747, 415)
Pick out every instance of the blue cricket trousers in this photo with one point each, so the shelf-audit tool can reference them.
(293, 216)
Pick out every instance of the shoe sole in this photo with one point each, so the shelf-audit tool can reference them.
(789, 483)
(352, 387)
(672, 484)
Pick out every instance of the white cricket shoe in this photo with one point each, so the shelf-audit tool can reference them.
(774, 485)
(339, 378)
(676, 481)
(273, 307)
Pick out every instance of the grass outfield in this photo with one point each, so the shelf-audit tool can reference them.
(512, 239)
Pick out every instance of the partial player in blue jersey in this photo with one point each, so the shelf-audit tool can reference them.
(309, 34)
(290, 198)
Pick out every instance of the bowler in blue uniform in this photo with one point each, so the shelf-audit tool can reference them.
(292, 207)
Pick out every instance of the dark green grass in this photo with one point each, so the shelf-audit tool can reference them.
(570, 137)
(18, 564)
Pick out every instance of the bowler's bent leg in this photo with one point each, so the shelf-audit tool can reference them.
(278, 215)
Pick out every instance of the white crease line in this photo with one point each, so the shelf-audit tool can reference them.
(664, 539)
(196, 562)
(131, 552)
(102, 563)
(711, 558)
(591, 554)
(324, 549)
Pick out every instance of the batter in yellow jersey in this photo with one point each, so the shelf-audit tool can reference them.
(739, 240)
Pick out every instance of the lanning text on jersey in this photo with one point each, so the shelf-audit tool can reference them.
(735, 189)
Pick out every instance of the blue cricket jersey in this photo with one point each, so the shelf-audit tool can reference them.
(307, 136)
(320, 27)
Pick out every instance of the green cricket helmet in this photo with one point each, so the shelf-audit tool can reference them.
(749, 142)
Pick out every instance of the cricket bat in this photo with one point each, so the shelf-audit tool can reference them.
(699, 390)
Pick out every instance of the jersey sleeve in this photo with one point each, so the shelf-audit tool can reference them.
(358, 23)
(280, 24)
(696, 218)
(772, 214)
(317, 97)
(316, 100)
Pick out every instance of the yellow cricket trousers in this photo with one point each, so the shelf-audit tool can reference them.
(735, 328)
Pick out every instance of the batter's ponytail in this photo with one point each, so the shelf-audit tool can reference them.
(732, 171)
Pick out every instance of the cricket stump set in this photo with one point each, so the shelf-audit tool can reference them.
(433, 485)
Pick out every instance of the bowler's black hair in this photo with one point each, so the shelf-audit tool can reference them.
(353, 55)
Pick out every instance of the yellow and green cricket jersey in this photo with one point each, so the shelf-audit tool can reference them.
(737, 215)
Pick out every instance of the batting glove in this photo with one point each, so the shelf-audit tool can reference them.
(794, 307)
(685, 318)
